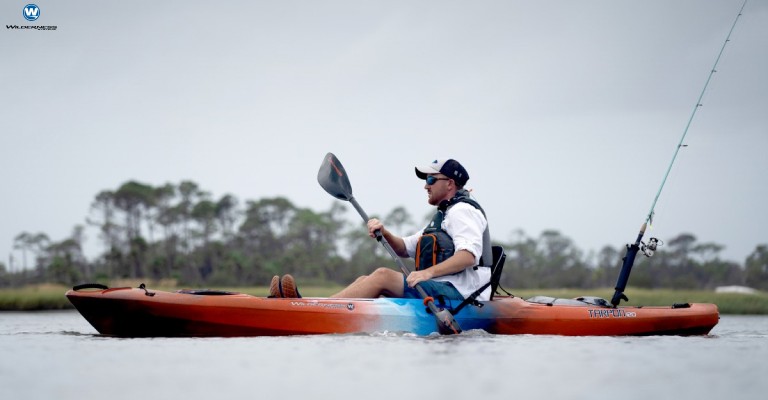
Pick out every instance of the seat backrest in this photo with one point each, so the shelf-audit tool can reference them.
(498, 265)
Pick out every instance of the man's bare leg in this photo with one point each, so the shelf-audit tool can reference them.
(382, 282)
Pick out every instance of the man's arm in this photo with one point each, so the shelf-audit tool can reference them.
(397, 243)
(466, 226)
(458, 262)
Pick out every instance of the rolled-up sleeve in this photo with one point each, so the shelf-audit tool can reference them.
(466, 224)
(410, 244)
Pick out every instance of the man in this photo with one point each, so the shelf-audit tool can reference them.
(452, 254)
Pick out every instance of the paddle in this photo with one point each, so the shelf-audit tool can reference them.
(333, 178)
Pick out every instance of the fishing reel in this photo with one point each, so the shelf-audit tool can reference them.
(650, 248)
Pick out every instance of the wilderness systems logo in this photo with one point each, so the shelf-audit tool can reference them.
(31, 12)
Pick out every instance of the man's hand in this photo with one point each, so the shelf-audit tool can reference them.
(374, 225)
(419, 276)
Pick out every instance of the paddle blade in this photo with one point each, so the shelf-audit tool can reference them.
(333, 178)
(446, 324)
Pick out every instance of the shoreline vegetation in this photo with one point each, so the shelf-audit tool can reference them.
(183, 233)
(51, 296)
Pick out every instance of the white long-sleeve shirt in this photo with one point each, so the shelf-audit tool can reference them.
(465, 224)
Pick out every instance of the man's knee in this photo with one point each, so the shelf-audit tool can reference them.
(385, 273)
(388, 279)
(389, 282)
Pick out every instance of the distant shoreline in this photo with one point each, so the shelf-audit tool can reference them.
(51, 297)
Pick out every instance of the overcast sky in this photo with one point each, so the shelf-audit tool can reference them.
(565, 113)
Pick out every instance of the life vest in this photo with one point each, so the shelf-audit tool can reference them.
(435, 245)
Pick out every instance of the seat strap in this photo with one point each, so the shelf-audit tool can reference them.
(471, 299)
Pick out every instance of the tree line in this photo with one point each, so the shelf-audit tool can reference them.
(182, 232)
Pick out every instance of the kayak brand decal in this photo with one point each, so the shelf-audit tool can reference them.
(315, 303)
(611, 313)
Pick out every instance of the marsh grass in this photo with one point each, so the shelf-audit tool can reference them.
(37, 297)
(51, 297)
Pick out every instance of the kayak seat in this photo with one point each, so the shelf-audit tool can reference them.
(497, 267)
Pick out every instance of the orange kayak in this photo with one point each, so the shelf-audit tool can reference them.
(134, 312)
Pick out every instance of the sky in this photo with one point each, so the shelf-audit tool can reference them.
(566, 114)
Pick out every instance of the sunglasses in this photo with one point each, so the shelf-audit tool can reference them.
(431, 180)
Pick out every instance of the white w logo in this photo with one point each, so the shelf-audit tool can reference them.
(31, 12)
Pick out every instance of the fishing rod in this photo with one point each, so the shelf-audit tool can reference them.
(653, 243)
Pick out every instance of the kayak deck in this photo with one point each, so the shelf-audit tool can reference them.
(138, 312)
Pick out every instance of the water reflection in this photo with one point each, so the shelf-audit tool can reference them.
(58, 356)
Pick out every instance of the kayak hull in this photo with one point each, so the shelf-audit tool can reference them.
(131, 312)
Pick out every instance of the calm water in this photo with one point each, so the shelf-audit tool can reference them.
(57, 355)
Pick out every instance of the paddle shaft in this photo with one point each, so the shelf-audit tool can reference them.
(447, 318)
(383, 240)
